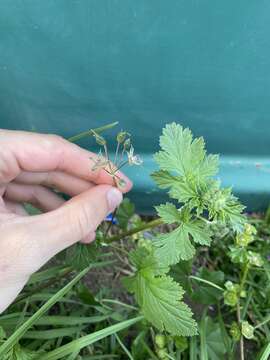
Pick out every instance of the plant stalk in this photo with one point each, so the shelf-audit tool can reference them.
(242, 352)
(242, 285)
(130, 232)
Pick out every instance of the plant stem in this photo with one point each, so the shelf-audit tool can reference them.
(206, 282)
(242, 285)
(244, 277)
(116, 154)
(262, 323)
(121, 165)
(136, 230)
(242, 353)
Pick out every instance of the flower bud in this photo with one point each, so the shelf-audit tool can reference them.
(121, 136)
(247, 330)
(255, 259)
(161, 353)
(99, 139)
(235, 332)
(160, 341)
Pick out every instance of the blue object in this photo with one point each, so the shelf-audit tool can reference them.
(111, 218)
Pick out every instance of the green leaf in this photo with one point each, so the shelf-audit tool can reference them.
(160, 301)
(207, 294)
(265, 353)
(137, 348)
(2, 333)
(59, 320)
(214, 348)
(192, 186)
(183, 191)
(160, 298)
(143, 258)
(79, 256)
(85, 295)
(176, 245)
(124, 213)
(173, 246)
(209, 167)
(164, 179)
(179, 154)
(183, 155)
(20, 353)
(181, 272)
(53, 333)
(168, 213)
(78, 344)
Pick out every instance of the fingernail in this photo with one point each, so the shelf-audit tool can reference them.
(124, 182)
(114, 198)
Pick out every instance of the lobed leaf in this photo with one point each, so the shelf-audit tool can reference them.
(160, 300)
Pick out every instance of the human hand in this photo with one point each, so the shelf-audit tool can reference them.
(31, 164)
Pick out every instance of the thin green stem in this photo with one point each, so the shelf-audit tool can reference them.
(121, 165)
(242, 285)
(117, 302)
(123, 347)
(262, 323)
(244, 277)
(122, 155)
(123, 234)
(242, 352)
(116, 153)
(206, 282)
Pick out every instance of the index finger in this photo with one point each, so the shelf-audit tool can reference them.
(25, 151)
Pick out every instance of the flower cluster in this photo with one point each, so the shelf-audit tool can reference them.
(124, 155)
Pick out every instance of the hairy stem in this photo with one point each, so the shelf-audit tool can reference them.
(136, 230)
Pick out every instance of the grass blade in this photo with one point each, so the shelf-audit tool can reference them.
(46, 274)
(86, 340)
(18, 334)
(56, 320)
(52, 334)
(265, 354)
(123, 347)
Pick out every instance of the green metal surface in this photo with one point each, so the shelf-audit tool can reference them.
(69, 65)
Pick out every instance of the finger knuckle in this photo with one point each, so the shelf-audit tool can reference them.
(55, 138)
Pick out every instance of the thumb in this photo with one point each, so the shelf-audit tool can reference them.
(75, 219)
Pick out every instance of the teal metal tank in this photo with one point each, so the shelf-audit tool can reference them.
(67, 66)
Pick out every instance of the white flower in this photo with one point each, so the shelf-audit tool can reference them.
(133, 159)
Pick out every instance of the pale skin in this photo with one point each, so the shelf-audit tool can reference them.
(31, 166)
